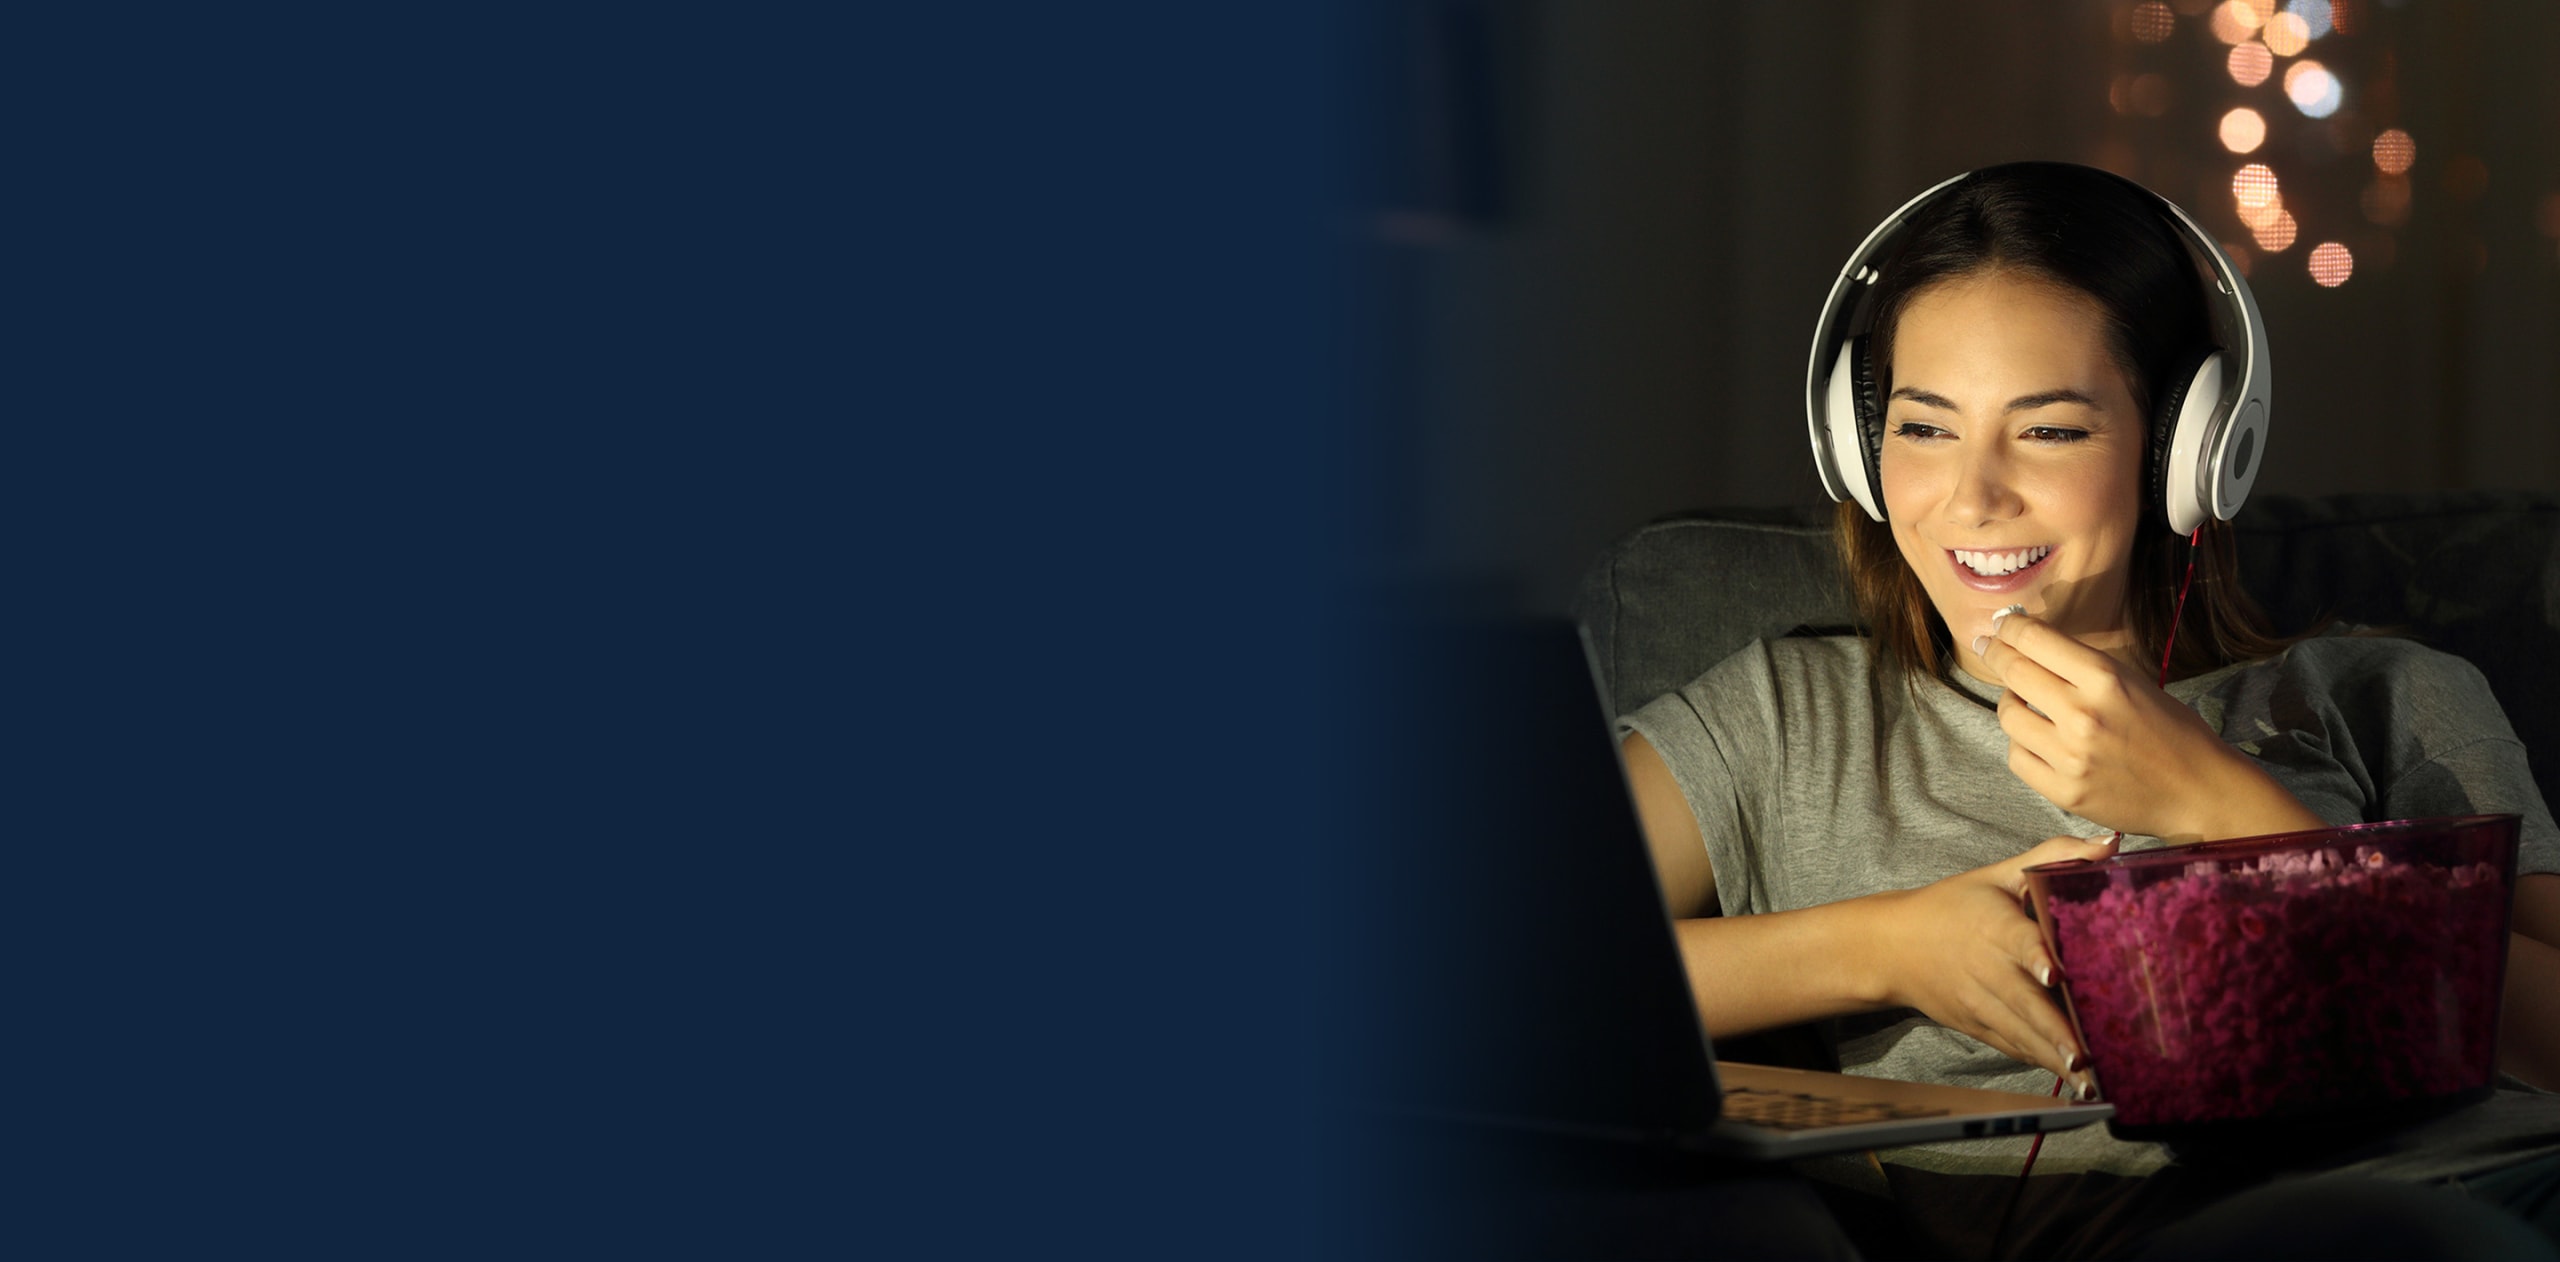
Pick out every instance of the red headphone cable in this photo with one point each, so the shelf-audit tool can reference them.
(2195, 543)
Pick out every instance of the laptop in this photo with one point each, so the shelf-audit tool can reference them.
(1516, 957)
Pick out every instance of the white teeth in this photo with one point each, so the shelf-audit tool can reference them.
(1995, 564)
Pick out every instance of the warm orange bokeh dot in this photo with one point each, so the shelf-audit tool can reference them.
(2254, 186)
(2234, 21)
(2250, 64)
(2243, 130)
(2331, 264)
(2286, 34)
(2393, 151)
(2276, 236)
(2152, 21)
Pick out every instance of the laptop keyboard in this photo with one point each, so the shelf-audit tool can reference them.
(1796, 1111)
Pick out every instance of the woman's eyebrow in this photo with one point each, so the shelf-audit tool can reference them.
(2023, 403)
(2047, 398)
(1924, 398)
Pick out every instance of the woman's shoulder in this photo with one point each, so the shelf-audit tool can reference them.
(1821, 650)
(1800, 658)
(2353, 665)
(1780, 670)
(2366, 652)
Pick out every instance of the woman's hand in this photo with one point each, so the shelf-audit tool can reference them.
(2110, 746)
(1965, 952)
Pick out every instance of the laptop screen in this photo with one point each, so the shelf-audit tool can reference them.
(1517, 962)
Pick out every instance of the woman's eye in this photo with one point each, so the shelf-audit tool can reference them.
(2056, 434)
(1916, 430)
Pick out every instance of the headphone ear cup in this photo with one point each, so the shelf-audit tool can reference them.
(1866, 398)
(2179, 426)
(2158, 477)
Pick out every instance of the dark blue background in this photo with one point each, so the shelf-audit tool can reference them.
(697, 633)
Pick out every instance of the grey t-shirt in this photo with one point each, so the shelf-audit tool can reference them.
(1800, 804)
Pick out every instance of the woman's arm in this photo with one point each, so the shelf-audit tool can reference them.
(2529, 1023)
(1961, 950)
(1670, 831)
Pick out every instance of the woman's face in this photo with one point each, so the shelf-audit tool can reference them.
(2012, 462)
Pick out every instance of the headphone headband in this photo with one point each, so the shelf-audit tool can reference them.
(2216, 432)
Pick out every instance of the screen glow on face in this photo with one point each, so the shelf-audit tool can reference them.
(2012, 460)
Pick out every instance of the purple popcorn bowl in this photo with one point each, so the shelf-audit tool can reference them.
(2340, 978)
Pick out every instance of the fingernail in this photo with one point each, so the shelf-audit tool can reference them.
(2085, 1090)
(1980, 642)
(1995, 618)
(2070, 1057)
(2044, 972)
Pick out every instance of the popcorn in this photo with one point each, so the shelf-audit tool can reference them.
(2283, 983)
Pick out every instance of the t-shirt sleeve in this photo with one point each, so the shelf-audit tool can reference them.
(1719, 737)
(2461, 757)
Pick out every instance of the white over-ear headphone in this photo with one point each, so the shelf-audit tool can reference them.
(2211, 417)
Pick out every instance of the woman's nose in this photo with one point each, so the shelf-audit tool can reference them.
(1982, 490)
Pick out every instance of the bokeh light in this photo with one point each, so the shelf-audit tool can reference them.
(2312, 88)
(2254, 186)
(2386, 201)
(2547, 215)
(2276, 235)
(2243, 130)
(2152, 21)
(2250, 64)
(2264, 37)
(2286, 34)
(2394, 151)
(2261, 218)
(2234, 21)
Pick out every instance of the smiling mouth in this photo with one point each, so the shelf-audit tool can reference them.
(2000, 564)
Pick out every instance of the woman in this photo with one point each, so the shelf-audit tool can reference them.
(1841, 823)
